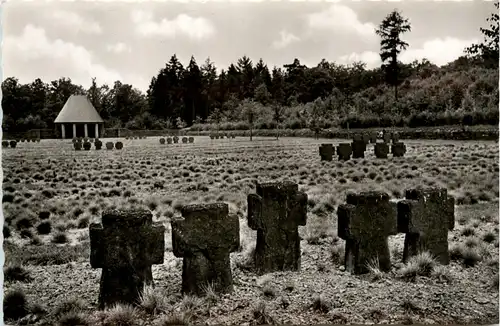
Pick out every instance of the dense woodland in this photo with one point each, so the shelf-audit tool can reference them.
(250, 94)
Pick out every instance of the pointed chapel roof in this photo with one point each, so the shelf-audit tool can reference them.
(78, 109)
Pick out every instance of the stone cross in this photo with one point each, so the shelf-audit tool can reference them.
(381, 150)
(398, 149)
(326, 152)
(276, 211)
(125, 246)
(366, 138)
(425, 216)
(344, 151)
(387, 137)
(395, 137)
(364, 223)
(358, 149)
(204, 238)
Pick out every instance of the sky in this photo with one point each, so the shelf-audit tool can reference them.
(131, 41)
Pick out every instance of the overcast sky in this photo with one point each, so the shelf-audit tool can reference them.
(131, 41)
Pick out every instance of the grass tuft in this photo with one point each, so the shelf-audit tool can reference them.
(15, 305)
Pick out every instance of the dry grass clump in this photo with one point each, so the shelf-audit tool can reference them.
(422, 264)
(44, 227)
(74, 318)
(121, 315)
(320, 303)
(60, 238)
(16, 272)
(469, 254)
(153, 301)
(175, 319)
(15, 305)
(261, 315)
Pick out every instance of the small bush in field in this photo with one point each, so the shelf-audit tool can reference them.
(44, 227)
(60, 237)
(16, 272)
(15, 305)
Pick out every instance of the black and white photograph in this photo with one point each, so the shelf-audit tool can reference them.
(250, 162)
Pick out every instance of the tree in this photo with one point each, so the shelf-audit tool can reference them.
(487, 51)
(193, 91)
(391, 46)
(278, 112)
(216, 117)
(249, 114)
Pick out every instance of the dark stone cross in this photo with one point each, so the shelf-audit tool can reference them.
(125, 246)
(381, 150)
(344, 151)
(425, 216)
(275, 212)
(204, 238)
(398, 149)
(364, 223)
(358, 149)
(387, 137)
(326, 152)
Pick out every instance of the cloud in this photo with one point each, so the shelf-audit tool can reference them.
(118, 48)
(285, 40)
(196, 28)
(438, 51)
(34, 52)
(73, 20)
(342, 19)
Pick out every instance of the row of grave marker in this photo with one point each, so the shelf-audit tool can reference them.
(97, 144)
(357, 149)
(127, 243)
(175, 140)
(221, 136)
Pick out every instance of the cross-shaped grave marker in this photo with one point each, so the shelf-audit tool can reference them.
(205, 237)
(276, 211)
(125, 246)
(364, 223)
(344, 151)
(425, 216)
(326, 152)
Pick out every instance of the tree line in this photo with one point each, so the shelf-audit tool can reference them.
(253, 95)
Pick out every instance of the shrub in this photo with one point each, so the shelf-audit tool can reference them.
(74, 318)
(152, 301)
(43, 215)
(44, 227)
(122, 315)
(83, 222)
(6, 232)
(24, 223)
(16, 272)
(261, 315)
(320, 304)
(60, 237)
(15, 305)
(489, 236)
(71, 305)
(420, 265)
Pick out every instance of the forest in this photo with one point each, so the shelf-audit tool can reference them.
(251, 95)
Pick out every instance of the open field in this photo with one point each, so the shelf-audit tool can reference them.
(51, 193)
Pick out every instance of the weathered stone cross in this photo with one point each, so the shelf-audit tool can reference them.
(426, 216)
(125, 246)
(205, 238)
(275, 212)
(364, 223)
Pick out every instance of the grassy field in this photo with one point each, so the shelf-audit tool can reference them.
(51, 193)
